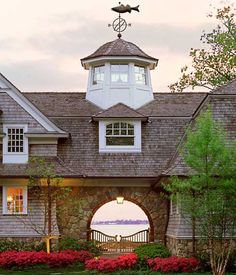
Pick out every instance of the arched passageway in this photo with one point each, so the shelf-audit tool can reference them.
(120, 218)
(78, 223)
(120, 226)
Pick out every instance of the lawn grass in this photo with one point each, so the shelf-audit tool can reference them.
(78, 270)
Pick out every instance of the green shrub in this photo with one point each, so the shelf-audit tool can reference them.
(6, 245)
(74, 244)
(151, 251)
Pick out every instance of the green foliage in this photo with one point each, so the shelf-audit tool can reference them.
(151, 251)
(204, 258)
(214, 65)
(74, 244)
(208, 196)
(18, 245)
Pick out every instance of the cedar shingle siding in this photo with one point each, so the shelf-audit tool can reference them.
(164, 122)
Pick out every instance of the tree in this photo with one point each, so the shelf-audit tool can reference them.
(216, 65)
(47, 188)
(208, 196)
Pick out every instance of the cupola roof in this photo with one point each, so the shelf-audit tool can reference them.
(119, 48)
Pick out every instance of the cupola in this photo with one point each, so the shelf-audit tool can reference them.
(119, 72)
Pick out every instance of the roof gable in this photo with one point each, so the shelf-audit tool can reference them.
(17, 96)
(229, 88)
(120, 110)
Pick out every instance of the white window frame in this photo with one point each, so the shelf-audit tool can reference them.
(103, 148)
(4, 200)
(94, 74)
(15, 157)
(145, 75)
(119, 71)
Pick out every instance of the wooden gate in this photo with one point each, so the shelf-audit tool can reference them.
(119, 243)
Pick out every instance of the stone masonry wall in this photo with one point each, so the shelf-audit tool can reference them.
(75, 221)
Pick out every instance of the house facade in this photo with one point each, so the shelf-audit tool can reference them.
(117, 139)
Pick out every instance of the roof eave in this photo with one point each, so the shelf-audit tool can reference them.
(47, 135)
(143, 119)
(151, 62)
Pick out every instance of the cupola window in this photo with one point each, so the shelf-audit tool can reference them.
(98, 75)
(119, 134)
(140, 75)
(119, 73)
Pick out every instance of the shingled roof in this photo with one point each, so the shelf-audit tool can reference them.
(173, 105)
(119, 110)
(119, 47)
(229, 88)
(80, 153)
(164, 104)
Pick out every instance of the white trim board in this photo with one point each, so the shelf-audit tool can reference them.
(15, 94)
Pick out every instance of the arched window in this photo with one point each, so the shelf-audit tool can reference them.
(120, 134)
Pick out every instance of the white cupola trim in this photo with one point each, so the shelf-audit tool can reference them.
(119, 72)
(111, 83)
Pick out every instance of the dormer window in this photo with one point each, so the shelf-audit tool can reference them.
(15, 140)
(119, 73)
(140, 75)
(98, 75)
(15, 144)
(119, 136)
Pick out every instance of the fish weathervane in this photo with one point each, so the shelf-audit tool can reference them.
(119, 24)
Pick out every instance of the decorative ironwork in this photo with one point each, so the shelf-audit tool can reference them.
(119, 24)
(119, 243)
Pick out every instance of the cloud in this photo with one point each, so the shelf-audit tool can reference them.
(42, 76)
(85, 38)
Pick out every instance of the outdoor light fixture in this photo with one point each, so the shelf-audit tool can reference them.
(120, 200)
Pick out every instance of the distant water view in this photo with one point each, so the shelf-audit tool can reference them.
(124, 228)
(120, 219)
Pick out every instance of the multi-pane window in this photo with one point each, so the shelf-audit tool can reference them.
(15, 140)
(140, 75)
(119, 134)
(14, 200)
(119, 73)
(98, 75)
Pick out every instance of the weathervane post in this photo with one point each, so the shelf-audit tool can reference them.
(119, 24)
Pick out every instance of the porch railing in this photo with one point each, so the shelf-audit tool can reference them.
(119, 243)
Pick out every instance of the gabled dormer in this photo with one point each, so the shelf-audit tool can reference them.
(119, 71)
(24, 129)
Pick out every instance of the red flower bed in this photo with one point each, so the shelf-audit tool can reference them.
(173, 264)
(23, 259)
(110, 265)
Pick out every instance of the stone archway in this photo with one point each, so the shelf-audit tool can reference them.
(77, 223)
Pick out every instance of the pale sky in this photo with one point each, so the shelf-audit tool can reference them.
(114, 211)
(42, 42)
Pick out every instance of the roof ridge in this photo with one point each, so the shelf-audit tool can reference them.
(80, 93)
